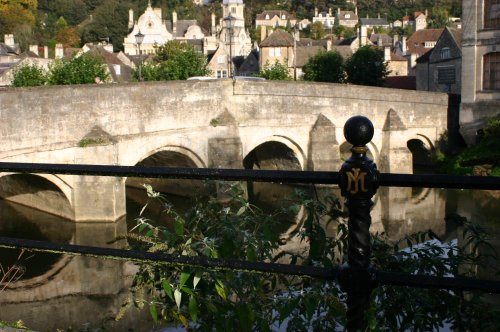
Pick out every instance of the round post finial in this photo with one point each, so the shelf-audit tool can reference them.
(358, 130)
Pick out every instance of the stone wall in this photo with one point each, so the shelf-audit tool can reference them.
(214, 123)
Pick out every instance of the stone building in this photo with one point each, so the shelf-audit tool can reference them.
(347, 18)
(236, 39)
(325, 18)
(275, 18)
(440, 69)
(480, 65)
(158, 31)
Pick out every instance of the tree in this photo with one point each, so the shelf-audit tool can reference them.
(109, 20)
(325, 67)
(68, 37)
(366, 67)
(178, 61)
(278, 71)
(29, 75)
(80, 70)
(317, 30)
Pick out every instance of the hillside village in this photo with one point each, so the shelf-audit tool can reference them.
(278, 37)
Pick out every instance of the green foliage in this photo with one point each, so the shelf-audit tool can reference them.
(220, 299)
(80, 70)
(109, 20)
(317, 30)
(486, 151)
(29, 75)
(278, 71)
(325, 67)
(366, 67)
(174, 61)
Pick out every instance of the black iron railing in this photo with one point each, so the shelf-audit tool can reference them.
(358, 180)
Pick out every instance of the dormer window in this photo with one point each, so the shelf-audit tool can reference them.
(347, 16)
(445, 53)
(283, 17)
(267, 16)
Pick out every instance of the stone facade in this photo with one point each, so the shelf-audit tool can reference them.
(480, 42)
(441, 68)
(275, 18)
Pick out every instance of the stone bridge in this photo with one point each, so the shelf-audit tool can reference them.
(223, 124)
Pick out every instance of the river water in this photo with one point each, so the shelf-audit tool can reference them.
(59, 291)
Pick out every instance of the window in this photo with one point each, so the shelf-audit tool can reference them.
(347, 16)
(492, 14)
(274, 51)
(221, 73)
(429, 44)
(283, 17)
(233, 10)
(221, 59)
(445, 53)
(491, 73)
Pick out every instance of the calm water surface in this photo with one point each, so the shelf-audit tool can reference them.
(59, 291)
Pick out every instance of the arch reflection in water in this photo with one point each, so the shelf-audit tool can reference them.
(61, 291)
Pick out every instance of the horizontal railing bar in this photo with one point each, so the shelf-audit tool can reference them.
(306, 177)
(439, 181)
(386, 278)
(423, 281)
(159, 257)
(174, 172)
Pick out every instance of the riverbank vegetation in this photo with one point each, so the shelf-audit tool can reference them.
(482, 158)
(221, 299)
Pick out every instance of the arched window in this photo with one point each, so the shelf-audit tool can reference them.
(492, 14)
(491, 71)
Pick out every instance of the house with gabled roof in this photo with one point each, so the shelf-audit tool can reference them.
(275, 18)
(347, 18)
(325, 18)
(419, 43)
(370, 22)
(441, 68)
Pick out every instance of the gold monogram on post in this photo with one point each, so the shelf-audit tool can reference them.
(356, 178)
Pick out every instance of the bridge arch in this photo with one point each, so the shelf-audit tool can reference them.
(285, 142)
(174, 150)
(423, 151)
(44, 192)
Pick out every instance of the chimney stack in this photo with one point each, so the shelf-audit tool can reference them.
(130, 18)
(403, 45)
(356, 10)
(34, 49)
(378, 15)
(329, 12)
(263, 32)
(9, 40)
(387, 53)
(213, 24)
(59, 51)
(46, 52)
(395, 40)
(362, 35)
(174, 23)
(315, 11)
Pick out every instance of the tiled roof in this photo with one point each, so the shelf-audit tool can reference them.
(352, 15)
(304, 53)
(273, 13)
(386, 39)
(373, 21)
(345, 51)
(278, 38)
(6, 50)
(457, 36)
(416, 42)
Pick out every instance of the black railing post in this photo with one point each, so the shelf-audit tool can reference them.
(358, 184)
